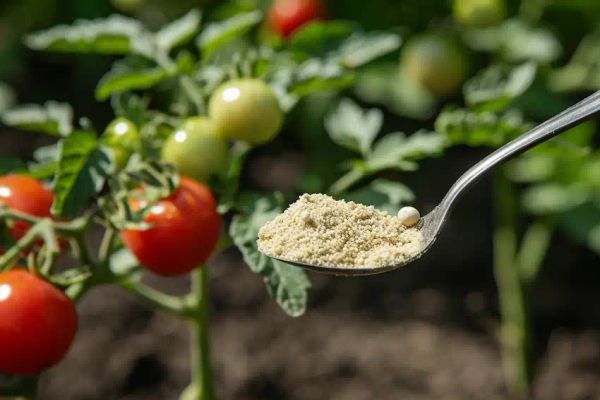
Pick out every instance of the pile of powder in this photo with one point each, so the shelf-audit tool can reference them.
(320, 230)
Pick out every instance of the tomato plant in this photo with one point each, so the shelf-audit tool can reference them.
(196, 150)
(159, 179)
(37, 323)
(246, 110)
(287, 16)
(184, 230)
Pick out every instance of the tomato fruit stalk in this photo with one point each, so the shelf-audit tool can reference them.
(184, 230)
(37, 323)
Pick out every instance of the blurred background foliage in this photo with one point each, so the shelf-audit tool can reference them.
(477, 78)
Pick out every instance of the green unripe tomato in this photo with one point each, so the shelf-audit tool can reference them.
(479, 12)
(123, 137)
(196, 150)
(247, 110)
(435, 62)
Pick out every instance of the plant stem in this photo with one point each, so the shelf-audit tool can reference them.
(172, 304)
(201, 386)
(514, 307)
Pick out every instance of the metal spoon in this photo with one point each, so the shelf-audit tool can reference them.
(432, 223)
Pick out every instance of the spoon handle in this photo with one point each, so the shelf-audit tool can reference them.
(575, 115)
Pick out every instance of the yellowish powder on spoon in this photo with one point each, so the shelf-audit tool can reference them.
(320, 230)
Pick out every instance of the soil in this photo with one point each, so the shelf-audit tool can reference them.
(361, 339)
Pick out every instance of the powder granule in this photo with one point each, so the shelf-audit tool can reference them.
(320, 230)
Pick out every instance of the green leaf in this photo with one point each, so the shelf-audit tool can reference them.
(316, 75)
(583, 70)
(497, 86)
(179, 31)
(397, 151)
(362, 48)
(82, 170)
(218, 33)
(130, 106)
(122, 78)
(53, 118)
(354, 128)
(113, 35)
(552, 198)
(517, 41)
(319, 36)
(287, 284)
(480, 129)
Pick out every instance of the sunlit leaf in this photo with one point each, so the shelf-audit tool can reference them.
(53, 118)
(122, 78)
(354, 128)
(113, 35)
(179, 31)
(494, 88)
(219, 33)
(82, 170)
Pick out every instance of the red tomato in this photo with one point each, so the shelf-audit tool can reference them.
(25, 194)
(37, 323)
(286, 16)
(184, 232)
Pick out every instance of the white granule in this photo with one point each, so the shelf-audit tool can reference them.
(320, 230)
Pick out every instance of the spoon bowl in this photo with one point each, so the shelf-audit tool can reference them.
(432, 223)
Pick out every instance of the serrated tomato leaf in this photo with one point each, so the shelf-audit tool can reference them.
(82, 170)
(354, 128)
(287, 284)
(52, 118)
(362, 48)
(217, 34)
(113, 35)
(179, 31)
(122, 78)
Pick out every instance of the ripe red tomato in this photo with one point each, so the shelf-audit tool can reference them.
(184, 232)
(37, 323)
(286, 16)
(25, 194)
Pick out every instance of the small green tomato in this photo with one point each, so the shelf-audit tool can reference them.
(435, 62)
(246, 110)
(479, 13)
(123, 137)
(196, 150)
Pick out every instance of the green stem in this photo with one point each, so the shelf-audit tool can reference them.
(201, 386)
(514, 307)
(172, 304)
(347, 181)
